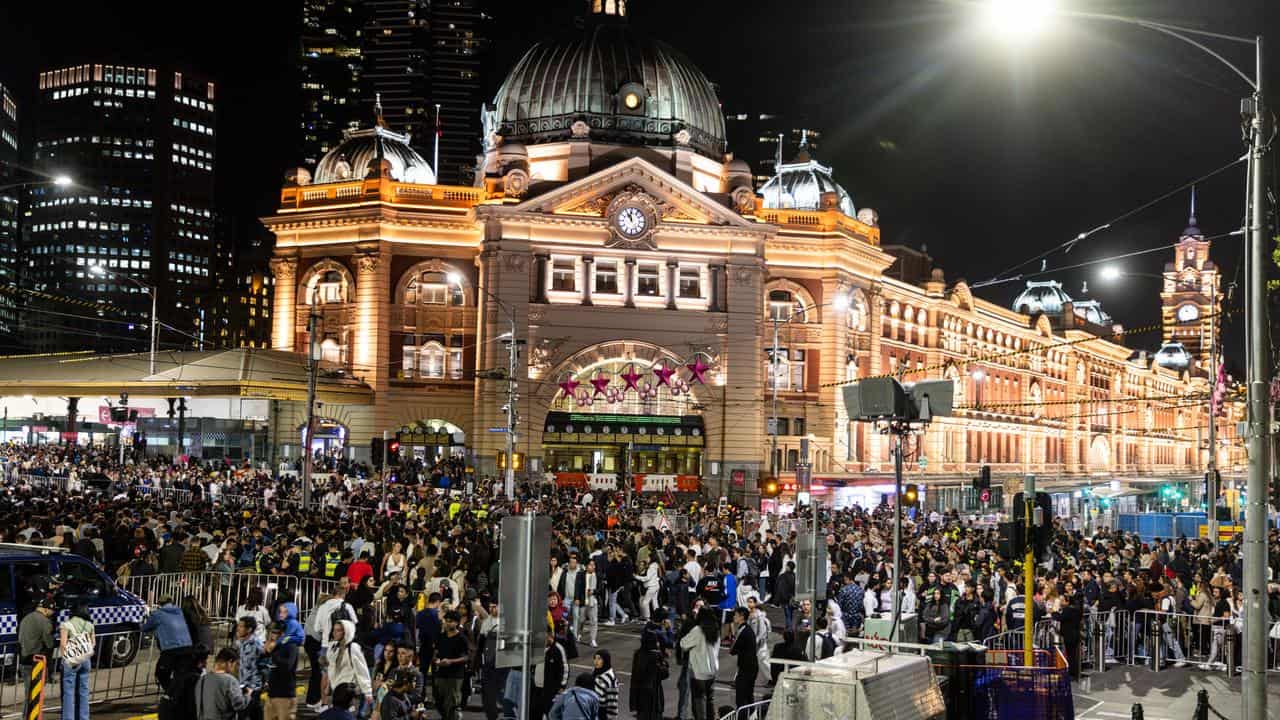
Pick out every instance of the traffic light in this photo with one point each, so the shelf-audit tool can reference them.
(1042, 533)
(910, 495)
(1217, 404)
(377, 448)
(393, 451)
(984, 495)
(770, 488)
(502, 460)
(983, 481)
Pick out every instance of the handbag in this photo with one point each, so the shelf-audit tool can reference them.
(79, 649)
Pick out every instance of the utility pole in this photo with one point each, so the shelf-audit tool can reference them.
(773, 383)
(313, 370)
(1029, 574)
(513, 351)
(1254, 682)
(897, 537)
(385, 508)
(1211, 474)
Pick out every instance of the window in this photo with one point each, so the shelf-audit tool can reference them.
(784, 427)
(782, 303)
(81, 580)
(329, 288)
(563, 274)
(647, 275)
(432, 288)
(799, 426)
(607, 277)
(797, 370)
(455, 363)
(330, 351)
(431, 360)
(690, 282)
(789, 371)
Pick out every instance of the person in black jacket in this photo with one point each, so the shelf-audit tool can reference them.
(984, 619)
(744, 648)
(784, 592)
(1069, 618)
(282, 695)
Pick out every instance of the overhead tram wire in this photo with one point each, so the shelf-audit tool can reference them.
(1069, 245)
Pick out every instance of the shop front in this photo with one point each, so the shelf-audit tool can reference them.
(659, 452)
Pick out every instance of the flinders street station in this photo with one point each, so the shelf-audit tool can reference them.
(674, 324)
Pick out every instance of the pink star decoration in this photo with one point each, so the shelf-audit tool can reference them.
(569, 386)
(698, 370)
(600, 382)
(663, 373)
(631, 378)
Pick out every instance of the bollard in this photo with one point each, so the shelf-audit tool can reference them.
(1155, 645)
(1202, 705)
(33, 703)
(1137, 712)
(1229, 652)
(1100, 647)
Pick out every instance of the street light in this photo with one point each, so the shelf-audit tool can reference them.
(61, 181)
(509, 484)
(148, 289)
(1253, 116)
(1017, 21)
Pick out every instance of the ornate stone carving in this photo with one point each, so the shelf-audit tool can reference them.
(594, 206)
(718, 324)
(537, 315)
(285, 269)
(515, 183)
(743, 276)
(633, 196)
(580, 129)
(515, 262)
(744, 200)
(368, 262)
(683, 137)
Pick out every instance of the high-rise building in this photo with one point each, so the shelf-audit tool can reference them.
(458, 44)
(396, 70)
(237, 310)
(331, 65)
(754, 138)
(9, 194)
(140, 144)
(411, 55)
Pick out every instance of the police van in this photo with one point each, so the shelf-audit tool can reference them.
(27, 571)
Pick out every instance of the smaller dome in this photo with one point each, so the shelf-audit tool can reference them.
(1045, 297)
(801, 183)
(359, 148)
(1091, 310)
(1173, 356)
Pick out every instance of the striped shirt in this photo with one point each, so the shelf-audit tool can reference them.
(607, 689)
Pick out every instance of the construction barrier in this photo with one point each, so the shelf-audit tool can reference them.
(34, 707)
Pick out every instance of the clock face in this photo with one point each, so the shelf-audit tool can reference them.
(1188, 313)
(632, 221)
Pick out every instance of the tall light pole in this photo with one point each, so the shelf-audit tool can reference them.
(148, 289)
(1026, 16)
(314, 355)
(513, 352)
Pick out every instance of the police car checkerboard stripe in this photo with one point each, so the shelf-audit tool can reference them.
(102, 616)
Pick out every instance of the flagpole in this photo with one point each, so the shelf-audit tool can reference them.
(435, 158)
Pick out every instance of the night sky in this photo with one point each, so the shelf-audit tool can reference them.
(987, 154)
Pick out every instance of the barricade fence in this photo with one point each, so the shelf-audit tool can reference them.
(221, 593)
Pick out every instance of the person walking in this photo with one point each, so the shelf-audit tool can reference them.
(784, 593)
(249, 650)
(219, 695)
(452, 655)
(702, 643)
(347, 665)
(605, 683)
(76, 644)
(282, 695)
(589, 596)
(744, 648)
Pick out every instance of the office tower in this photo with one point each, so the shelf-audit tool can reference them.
(140, 144)
(458, 43)
(9, 194)
(395, 66)
(330, 66)
(753, 137)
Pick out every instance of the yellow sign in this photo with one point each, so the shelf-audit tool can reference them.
(1225, 532)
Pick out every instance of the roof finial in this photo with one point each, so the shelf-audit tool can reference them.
(377, 110)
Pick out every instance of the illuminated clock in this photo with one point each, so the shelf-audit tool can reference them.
(631, 221)
(1188, 313)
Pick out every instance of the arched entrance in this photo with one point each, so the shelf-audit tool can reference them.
(629, 409)
(330, 438)
(432, 440)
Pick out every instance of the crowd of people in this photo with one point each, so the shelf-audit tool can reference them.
(408, 627)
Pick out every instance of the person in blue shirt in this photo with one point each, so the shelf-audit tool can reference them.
(287, 613)
(170, 628)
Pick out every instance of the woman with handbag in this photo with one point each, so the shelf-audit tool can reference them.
(76, 646)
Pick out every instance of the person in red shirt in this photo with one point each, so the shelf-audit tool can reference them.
(359, 570)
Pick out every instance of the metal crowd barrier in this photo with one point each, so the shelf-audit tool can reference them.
(757, 710)
(220, 593)
(55, 482)
(126, 682)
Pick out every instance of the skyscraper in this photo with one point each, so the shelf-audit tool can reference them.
(8, 218)
(395, 65)
(331, 66)
(412, 55)
(753, 137)
(140, 143)
(458, 43)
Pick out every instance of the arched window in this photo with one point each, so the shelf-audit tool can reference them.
(431, 360)
(327, 287)
(851, 367)
(432, 288)
(783, 303)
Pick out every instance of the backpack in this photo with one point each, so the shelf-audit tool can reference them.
(342, 612)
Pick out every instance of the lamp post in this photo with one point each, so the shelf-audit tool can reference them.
(513, 350)
(1023, 17)
(148, 289)
(315, 353)
(841, 304)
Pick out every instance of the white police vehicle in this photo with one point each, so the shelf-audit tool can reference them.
(25, 569)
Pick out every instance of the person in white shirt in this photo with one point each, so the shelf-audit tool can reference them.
(693, 567)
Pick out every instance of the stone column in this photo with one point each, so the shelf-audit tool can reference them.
(284, 302)
(671, 284)
(586, 279)
(370, 341)
(540, 282)
(631, 280)
(713, 278)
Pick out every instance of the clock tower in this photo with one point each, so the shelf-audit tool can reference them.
(1189, 298)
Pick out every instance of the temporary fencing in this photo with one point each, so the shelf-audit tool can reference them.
(221, 593)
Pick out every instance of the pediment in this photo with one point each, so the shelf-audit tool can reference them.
(674, 200)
